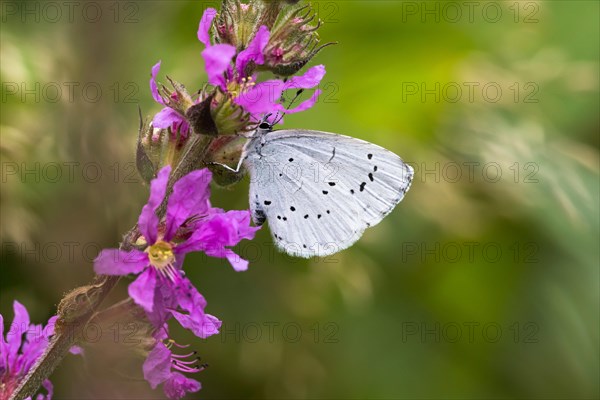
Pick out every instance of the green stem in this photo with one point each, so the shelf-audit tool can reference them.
(74, 312)
(80, 305)
(53, 355)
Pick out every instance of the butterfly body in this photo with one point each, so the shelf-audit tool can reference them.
(319, 191)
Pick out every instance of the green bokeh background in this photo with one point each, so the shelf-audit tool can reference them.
(408, 312)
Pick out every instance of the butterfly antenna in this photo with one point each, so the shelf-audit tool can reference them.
(298, 93)
(266, 118)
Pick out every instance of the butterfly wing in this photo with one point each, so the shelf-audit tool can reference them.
(320, 191)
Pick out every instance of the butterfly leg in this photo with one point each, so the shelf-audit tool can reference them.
(228, 168)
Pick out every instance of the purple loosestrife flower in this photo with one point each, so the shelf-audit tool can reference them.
(17, 356)
(168, 117)
(163, 366)
(233, 74)
(191, 224)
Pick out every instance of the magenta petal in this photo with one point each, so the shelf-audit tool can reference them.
(205, 24)
(261, 98)
(188, 297)
(21, 320)
(190, 197)
(142, 289)
(148, 221)
(177, 386)
(49, 388)
(243, 228)
(305, 105)
(217, 59)
(157, 367)
(224, 229)
(183, 127)
(15, 333)
(197, 323)
(76, 350)
(311, 78)
(238, 263)
(254, 51)
(50, 326)
(221, 230)
(193, 303)
(164, 301)
(229, 228)
(167, 118)
(120, 262)
(3, 346)
(213, 324)
(153, 85)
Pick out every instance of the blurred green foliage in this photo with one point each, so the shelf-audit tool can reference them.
(476, 286)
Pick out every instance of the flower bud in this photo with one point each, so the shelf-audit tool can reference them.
(178, 99)
(225, 150)
(155, 149)
(143, 162)
(293, 42)
(229, 117)
(238, 22)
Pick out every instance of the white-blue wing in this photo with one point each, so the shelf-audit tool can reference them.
(320, 191)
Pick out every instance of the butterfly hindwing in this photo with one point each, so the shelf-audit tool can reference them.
(320, 191)
(376, 177)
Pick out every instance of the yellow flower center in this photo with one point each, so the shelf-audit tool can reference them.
(235, 89)
(161, 255)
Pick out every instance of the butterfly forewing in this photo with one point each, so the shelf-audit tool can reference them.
(320, 191)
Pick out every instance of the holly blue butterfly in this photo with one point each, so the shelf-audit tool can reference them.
(320, 191)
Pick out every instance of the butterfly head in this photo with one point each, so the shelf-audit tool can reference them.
(265, 126)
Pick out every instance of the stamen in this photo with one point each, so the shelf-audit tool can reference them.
(182, 356)
(183, 368)
(181, 346)
(162, 257)
(186, 362)
(190, 362)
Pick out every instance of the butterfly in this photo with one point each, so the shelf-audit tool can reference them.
(320, 191)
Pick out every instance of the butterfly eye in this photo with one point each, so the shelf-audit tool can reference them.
(264, 126)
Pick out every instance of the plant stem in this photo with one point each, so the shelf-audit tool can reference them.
(74, 312)
(53, 355)
(68, 329)
(78, 307)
